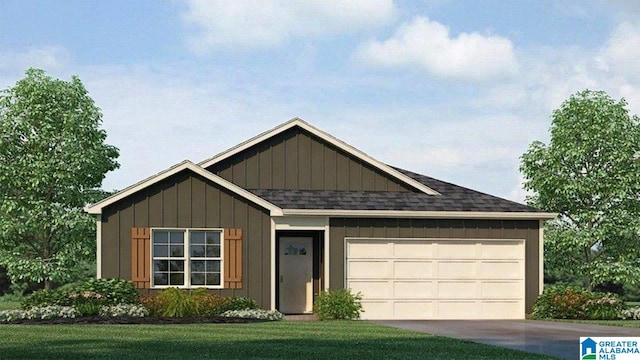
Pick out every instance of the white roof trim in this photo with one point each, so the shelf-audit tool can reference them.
(422, 214)
(325, 136)
(185, 165)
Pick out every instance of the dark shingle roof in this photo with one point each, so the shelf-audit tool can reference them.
(452, 198)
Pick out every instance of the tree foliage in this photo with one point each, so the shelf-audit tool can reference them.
(54, 158)
(589, 174)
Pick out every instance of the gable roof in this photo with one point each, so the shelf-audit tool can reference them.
(453, 201)
(184, 165)
(394, 173)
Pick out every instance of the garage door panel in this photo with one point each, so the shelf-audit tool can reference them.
(458, 310)
(377, 310)
(413, 309)
(369, 269)
(457, 269)
(502, 309)
(456, 249)
(502, 250)
(413, 249)
(413, 269)
(457, 289)
(505, 290)
(358, 249)
(414, 289)
(501, 269)
(372, 289)
(437, 278)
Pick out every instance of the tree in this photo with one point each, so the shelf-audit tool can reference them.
(54, 158)
(589, 174)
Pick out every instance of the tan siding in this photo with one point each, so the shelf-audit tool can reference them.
(176, 206)
(296, 159)
(420, 228)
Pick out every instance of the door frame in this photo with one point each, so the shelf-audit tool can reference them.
(318, 259)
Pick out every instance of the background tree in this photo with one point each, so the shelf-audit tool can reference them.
(589, 174)
(53, 157)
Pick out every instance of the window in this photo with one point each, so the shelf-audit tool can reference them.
(187, 257)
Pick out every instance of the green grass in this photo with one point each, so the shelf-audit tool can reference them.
(631, 304)
(620, 323)
(9, 303)
(285, 339)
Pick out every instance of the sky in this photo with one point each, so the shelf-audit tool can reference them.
(456, 90)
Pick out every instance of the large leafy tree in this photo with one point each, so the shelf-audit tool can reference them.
(589, 173)
(53, 157)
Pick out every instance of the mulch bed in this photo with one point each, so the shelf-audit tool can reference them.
(96, 320)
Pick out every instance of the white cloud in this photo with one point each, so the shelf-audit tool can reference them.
(245, 23)
(429, 44)
(622, 52)
(14, 63)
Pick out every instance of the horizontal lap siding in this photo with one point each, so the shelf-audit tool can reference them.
(422, 228)
(187, 200)
(299, 160)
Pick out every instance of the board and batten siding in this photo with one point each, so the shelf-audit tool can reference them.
(298, 160)
(432, 228)
(187, 200)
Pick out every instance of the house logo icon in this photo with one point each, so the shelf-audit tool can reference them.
(588, 349)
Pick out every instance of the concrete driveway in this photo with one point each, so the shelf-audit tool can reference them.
(558, 339)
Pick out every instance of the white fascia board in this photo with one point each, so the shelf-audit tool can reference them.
(422, 214)
(326, 137)
(185, 165)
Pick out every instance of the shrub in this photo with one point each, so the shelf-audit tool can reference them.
(45, 298)
(338, 305)
(103, 292)
(630, 314)
(113, 291)
(45, 312)
(209, 304)
(176, 303)
(124, 310)
(241, 303)
(272, 315)
(570, 302)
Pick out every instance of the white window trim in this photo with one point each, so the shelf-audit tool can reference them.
(187, 258)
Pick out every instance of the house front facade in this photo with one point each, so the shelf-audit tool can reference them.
(294, 211)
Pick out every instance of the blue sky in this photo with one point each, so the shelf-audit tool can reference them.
(452, 89)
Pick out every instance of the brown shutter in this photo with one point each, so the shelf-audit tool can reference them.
(232, 258)
(141, 257)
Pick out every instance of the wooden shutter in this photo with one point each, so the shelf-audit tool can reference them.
(232, 258)
(141, 257)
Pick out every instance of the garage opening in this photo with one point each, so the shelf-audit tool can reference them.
(437, 278)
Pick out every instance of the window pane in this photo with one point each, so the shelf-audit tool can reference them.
(177, 237)
(160, 265)
(177, 278)
(197, 237)
(160, 237)
(213, 266)
(213, 278)
(176, 265)
(160, 250)
(197, 265)
(161, 279)
(213, 238)
(177, 250)
(213, 251)
(197, 250)
(197, 279)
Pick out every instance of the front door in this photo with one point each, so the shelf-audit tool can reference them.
(296, 274)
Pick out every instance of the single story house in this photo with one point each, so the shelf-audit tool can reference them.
(294, 210)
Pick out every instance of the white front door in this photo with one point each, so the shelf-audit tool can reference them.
(296, 275)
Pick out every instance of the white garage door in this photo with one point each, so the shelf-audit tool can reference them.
(437, 279)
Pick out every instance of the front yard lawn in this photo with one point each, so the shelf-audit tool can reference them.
(284, 339)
